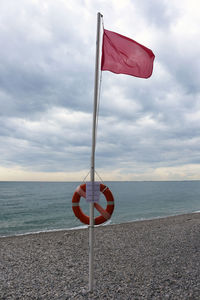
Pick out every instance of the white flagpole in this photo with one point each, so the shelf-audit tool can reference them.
(92, 171)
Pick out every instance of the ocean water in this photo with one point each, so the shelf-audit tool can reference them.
(27, 207)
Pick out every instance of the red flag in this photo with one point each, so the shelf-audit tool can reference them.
(122, 55)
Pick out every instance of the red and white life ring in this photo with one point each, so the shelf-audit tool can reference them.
(105, 213)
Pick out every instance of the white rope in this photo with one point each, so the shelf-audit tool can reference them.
(98, 100)
(86, 177)
(98, 104)
(99, 177)
(99, 91)
(97, 114)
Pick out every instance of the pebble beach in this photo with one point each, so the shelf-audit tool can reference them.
(152, 259)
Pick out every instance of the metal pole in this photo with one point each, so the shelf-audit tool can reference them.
(92, 171)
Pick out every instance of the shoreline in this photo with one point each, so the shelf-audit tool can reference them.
(86, 226)
(149, 259)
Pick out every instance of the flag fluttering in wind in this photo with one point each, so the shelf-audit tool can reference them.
(122, 55)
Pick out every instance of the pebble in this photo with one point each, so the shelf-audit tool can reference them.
(154, 259)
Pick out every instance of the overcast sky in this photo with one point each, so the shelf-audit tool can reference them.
(149, 129)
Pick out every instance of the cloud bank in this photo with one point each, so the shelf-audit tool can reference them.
(147, 130)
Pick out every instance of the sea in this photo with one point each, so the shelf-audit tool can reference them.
(32, 207)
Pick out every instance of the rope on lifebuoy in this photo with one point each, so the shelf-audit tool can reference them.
(105, 213)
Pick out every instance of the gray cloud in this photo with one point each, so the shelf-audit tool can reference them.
(46, 89)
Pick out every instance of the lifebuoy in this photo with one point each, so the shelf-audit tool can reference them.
(105, 213)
